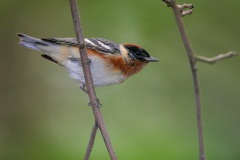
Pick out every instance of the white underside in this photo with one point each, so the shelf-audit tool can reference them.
(101, 72)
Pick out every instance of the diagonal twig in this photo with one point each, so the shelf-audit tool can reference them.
(89, 82)
(217, 58)
(91, 141)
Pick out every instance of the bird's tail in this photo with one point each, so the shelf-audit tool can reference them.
(31, 42)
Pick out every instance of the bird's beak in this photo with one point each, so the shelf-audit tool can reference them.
(151, 59)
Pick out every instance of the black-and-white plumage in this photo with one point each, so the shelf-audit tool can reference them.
(102, 45)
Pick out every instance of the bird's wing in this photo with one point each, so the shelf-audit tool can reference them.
(99, 44)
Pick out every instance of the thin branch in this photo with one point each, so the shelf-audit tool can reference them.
(91, 142)
(193, 66)
(88, 78)
(216, 58)
(184, 9)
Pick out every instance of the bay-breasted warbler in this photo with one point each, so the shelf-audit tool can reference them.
(110, 63)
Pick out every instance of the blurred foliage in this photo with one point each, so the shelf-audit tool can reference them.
(43, 113)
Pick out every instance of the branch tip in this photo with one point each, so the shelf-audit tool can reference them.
(185, 6)
(187, 12)
(217, 58)
(184, 9)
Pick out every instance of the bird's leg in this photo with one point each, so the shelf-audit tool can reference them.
(84, 89)
(81, 63)
(99, 104)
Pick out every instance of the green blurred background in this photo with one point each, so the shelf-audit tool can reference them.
(151, 116)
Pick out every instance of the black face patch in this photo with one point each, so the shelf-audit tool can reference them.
(137, 52)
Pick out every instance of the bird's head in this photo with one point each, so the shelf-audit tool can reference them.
(135, 52)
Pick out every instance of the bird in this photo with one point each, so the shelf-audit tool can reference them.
(110, 63)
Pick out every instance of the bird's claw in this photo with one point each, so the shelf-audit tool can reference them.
(98, 103)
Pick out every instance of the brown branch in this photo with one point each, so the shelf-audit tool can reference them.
(193, 66)
(216, 58)
(91, 141)
(88, 78)
(184, 9)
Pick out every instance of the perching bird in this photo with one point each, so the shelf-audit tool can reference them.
(110, 63)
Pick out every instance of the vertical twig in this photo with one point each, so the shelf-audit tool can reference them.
(195, 79)
(91, 141)
(88, 78)
(192, 61)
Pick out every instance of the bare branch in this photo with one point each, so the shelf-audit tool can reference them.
(193, 67)
(88, 78)
(216, 58)
(185, 9)
(187, 12)
(91, 142)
